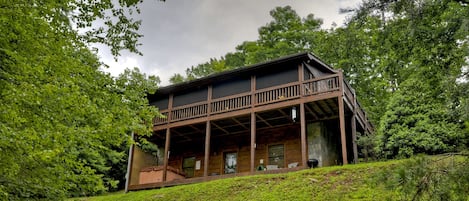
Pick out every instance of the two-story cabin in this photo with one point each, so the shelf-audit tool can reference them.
(266, 118)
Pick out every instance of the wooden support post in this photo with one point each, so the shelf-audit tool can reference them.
(354, 130)
(207, 148)
(170, 107)
(303, 135)
(166, 153)
(129, 165)
(340, 100)
(343, 139)
(208, 130)
(253, 123)
(253, 140)
(209, 100)
(253, 89)
(354, 138)
(301, 78)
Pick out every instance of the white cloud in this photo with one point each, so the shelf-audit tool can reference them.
(118, 67)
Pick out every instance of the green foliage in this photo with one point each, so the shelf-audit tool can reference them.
(406, 60)
(430, 178)
(367, 144)
(416, 122)
(64, 124)
(423, 113)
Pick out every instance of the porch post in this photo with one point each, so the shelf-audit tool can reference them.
(129, 165)
(253, 140)
(342, 129)
(207, 148)
(303, 134)
(253, 122)
(166, 153)
(354, 130)
(343, 139)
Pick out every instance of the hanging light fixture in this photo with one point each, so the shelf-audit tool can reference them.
(293, 114)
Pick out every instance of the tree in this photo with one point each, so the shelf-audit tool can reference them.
(426, 54)
(384, 49)
(63, 122)
(416, 122)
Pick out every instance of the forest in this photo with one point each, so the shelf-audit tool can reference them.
(407, 60)
(65, 125)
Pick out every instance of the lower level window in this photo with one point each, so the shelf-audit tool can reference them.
(276, 155)
(188, 165)
(230, 162)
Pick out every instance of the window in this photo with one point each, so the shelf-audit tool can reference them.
(188, 165)
(276, 155)
(230, 162)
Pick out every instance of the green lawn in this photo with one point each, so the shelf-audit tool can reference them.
(350, 182)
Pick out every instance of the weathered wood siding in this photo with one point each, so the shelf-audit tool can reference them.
(275, 78)
(192, 96)
(161, 103)
(231, 87)
(288, 136)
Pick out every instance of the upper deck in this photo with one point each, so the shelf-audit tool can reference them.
(280, 83)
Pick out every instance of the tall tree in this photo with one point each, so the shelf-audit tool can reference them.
(425, 53)
(385, 48)
(63, 121)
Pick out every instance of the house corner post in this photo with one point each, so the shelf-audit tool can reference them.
(207, 148)
(253, 124)
(208, 130)
(354, 129)
(129, 165)
(303, 135)
(253, 140)
(166, 153)
(340, 100)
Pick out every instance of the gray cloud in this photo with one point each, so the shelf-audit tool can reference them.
(183, 33)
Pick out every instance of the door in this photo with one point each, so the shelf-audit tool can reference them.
(276, 156)
(230, 162)
(188, 165)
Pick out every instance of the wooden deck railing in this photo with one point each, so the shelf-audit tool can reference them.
(363, 117)
(230, 103)
(349, 92)
(278, 93)
(160, 120)
(189, 111)
(269, 95)
(321, 85)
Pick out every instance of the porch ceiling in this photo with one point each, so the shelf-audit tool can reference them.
(238, 125)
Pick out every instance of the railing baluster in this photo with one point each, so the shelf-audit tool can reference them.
(270, 96)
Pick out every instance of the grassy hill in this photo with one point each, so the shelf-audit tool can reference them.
(363, 181)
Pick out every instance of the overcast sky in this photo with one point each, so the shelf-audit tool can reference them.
(182, 33)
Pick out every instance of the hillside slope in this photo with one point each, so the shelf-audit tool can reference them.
(350, 182)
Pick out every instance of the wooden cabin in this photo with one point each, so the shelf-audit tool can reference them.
(270, 117)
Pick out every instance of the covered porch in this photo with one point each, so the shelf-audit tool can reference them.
(268, 141)
(251, 122)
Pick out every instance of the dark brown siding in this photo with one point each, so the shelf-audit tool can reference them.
(194, 96)
(161, 103)
(288, 136)
(231, 87)
(274, 78)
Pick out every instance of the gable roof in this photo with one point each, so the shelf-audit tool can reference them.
(243, 71)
